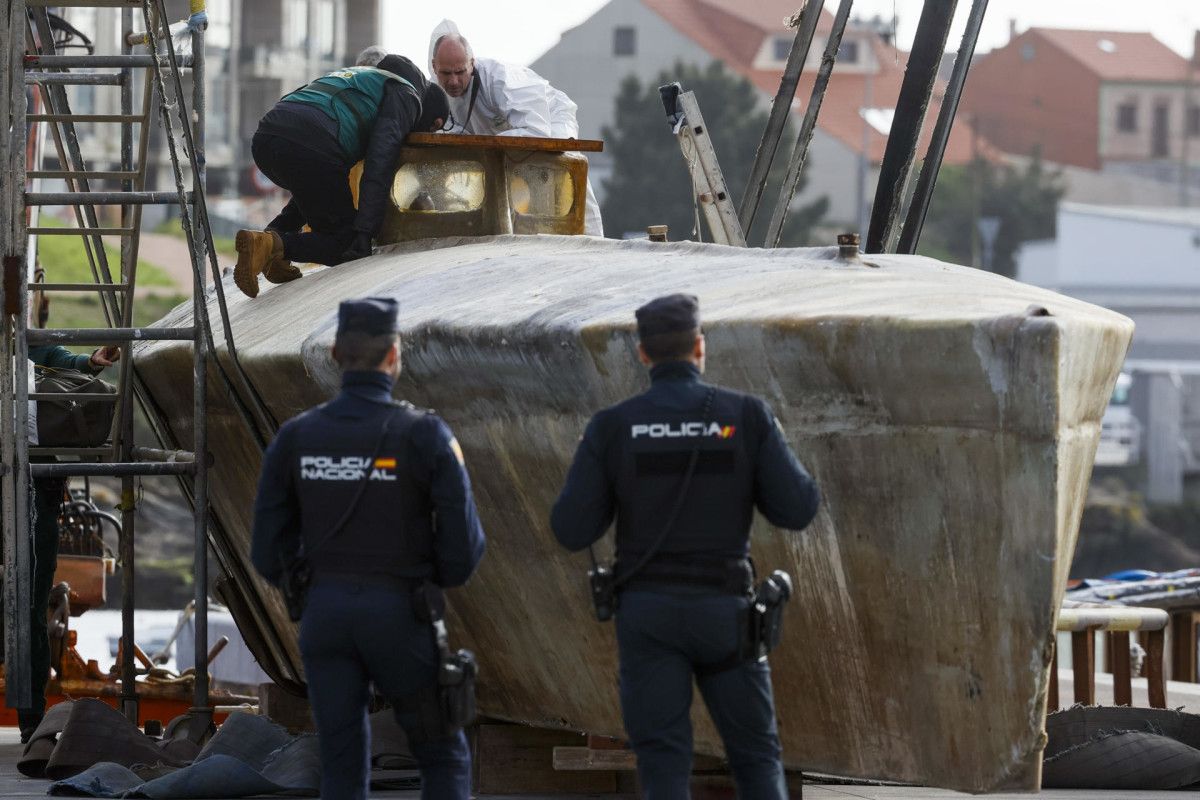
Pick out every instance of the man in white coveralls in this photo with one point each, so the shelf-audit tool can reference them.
(489, 98)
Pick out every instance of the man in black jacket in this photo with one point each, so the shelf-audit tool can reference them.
(307, 144)
(376, 495)
(682, 468)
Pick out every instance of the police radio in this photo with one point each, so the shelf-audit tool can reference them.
(604, 590)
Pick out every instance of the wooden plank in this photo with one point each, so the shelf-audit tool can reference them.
(538, 143)
(1156, 681)
(586, 758)
(1118, 649)
(1083, 662)
(1183, 645)
(515, 759)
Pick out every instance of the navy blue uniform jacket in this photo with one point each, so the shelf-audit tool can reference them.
(430, 463)
(633, 455)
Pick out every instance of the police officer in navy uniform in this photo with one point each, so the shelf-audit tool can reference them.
(414, 520)
(679, 616)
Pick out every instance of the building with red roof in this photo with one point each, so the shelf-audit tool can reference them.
(645, 37)
(1112, 100)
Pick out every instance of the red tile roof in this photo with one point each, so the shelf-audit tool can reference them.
(1118, 55)
(733, 31)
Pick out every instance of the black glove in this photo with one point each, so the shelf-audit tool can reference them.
(359, 248)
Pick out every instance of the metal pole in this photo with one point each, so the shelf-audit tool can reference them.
(796, 164)
(13, 373)
(123, 439)
(919, 79)
(810, 15)
(915, 220)
(103, 198)
(149, 469)
(200, 704)
(97, 62)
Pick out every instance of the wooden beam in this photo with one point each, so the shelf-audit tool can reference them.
(515, 759)
(1083, 662)
(588, 758)
(1118, 650)
(1183, 645)
(1156, 681)
(538, 143)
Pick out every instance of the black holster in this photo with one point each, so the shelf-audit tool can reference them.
(448, 705)
(761, 627)
(764, 628)
(293, 585)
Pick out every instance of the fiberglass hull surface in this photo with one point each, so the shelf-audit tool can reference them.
(950, 424)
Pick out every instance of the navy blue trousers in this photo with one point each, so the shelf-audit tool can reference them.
(321, 198)
(354, 634)
(663, 637)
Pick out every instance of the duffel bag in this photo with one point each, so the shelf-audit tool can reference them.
(70, 421)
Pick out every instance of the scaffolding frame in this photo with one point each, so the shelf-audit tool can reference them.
(28, 47)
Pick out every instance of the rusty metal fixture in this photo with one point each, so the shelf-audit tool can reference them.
(848, 246)
(657, 233)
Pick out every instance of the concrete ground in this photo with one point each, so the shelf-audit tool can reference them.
(15, 785)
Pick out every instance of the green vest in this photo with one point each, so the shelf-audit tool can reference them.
(351, 96)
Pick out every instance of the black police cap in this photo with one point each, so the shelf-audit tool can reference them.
(376, 316)
(673, 313)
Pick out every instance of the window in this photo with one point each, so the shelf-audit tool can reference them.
(783, 48)
(219, 34)
(324, 24)
(1127, 117)
(848, 52)
(1193, 121)
(624, 41)
(1027, 51)
(295, 24)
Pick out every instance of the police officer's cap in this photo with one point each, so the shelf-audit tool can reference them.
(674, 313)
(375, 316)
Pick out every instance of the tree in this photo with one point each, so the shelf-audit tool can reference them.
(650, 183)
(1025, 201)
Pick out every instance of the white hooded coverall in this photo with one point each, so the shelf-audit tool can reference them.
(516, 101)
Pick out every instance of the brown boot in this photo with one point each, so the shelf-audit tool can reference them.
(280, 270)
(256, 250)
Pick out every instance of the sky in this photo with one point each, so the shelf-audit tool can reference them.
(521, 30)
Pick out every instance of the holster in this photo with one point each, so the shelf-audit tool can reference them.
(764, 629)
(294, 584)
(449, 705)
(761, 625)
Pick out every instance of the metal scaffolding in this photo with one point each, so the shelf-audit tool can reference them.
(28, 45)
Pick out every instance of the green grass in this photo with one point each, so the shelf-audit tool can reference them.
(222, 244)
(65, 260)
(84, 311)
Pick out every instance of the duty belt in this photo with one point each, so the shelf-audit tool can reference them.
(725, 575)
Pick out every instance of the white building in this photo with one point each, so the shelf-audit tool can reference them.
(646, 37)
(1145, 264)
(1142, 262)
